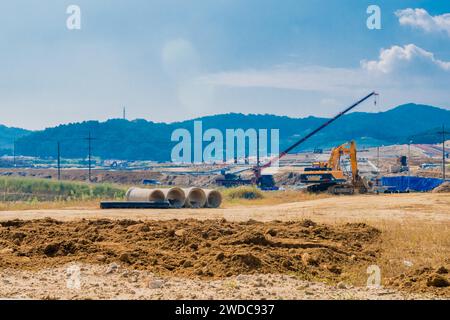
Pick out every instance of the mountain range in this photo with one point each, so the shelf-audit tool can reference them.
(146, 140)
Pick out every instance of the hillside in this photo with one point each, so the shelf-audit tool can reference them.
(146, 140)
(7, 136)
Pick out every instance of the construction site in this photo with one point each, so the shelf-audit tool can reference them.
(224, 159)
(344, 223)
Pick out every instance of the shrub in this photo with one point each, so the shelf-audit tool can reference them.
(26, 188)
(244, 193)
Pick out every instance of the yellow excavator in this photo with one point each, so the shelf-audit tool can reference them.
(330, 177)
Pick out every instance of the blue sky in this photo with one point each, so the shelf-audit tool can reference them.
(173, 60)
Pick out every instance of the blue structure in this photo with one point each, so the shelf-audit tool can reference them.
(407, 183)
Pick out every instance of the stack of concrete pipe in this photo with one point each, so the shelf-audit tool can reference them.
(177, 197)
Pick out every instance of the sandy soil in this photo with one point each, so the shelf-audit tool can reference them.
(84, 281)
(398, 207)
(414, 250)
(191, 248)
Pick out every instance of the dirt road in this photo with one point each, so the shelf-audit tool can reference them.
(398, 207)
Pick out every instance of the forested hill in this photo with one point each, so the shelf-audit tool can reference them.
(146, 140)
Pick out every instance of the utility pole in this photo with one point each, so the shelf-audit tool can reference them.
(443, 132)
(409, 162)
(59, 160)
(89, 139)
(378, 158)
(14, 153)
(409, 156)
(89, 151)
(257, 148)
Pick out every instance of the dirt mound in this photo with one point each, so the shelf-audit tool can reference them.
(445, 187)
(213, 248)
(424, 279)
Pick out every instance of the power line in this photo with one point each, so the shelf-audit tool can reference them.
(59, 143)
(90, 139)
(59, 160)
(378, 158)
(14, 152)
(409, 163)
(443, 133)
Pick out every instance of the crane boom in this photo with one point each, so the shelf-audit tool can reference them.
(257, 169)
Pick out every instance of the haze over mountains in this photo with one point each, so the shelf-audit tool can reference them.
(146, 140)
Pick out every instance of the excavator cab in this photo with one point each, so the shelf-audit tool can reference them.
(319, 166)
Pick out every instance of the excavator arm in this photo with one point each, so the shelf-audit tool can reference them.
(354, 163)
(335, 157)
(258, 169)
(349, 149)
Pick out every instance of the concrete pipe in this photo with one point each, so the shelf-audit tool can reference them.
(213, 198)
(127, 194)
(195, 198)
(175, 196)
(144, 195)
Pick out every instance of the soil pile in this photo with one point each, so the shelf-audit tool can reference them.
(445, 187)
(213, 248)
(424, 279)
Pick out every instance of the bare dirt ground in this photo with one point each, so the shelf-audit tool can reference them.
(374, 208)
(116, 282)
(310, 252)
(208, 249)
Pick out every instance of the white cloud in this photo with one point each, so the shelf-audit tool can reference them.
(394, 62)
(181, 62)
(329, 102)
(180, 58)
(421, 19)
(291, 77)
(401, 74)
(409, 58)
